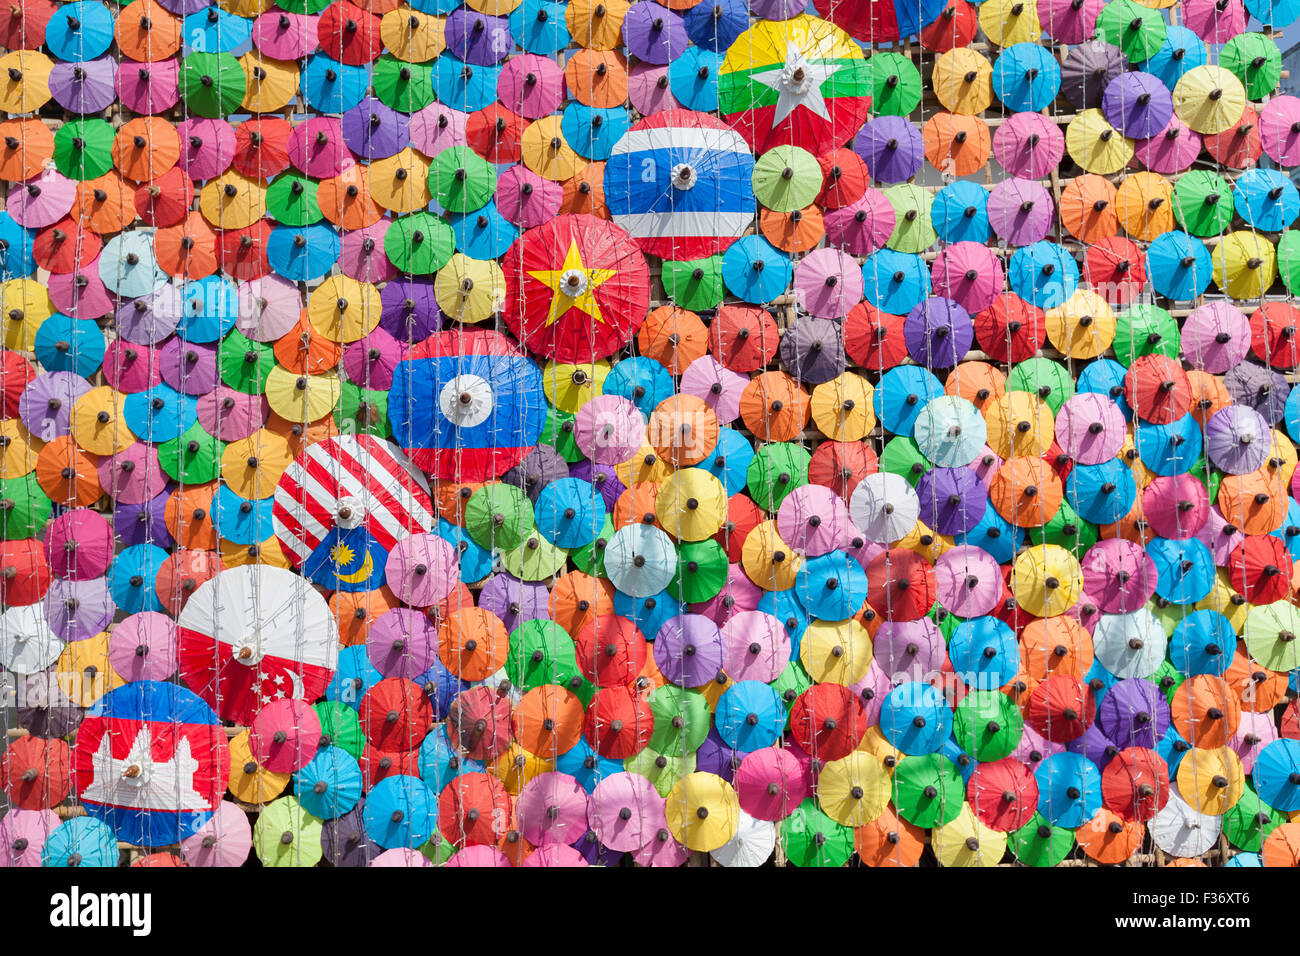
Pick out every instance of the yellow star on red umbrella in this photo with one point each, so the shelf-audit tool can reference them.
(573, 286)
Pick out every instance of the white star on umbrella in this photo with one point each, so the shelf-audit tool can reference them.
(798, 83)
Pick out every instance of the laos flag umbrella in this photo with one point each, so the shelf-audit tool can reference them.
(679, 183)
(151, 761)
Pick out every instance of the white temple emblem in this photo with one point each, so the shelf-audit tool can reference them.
(142, 783)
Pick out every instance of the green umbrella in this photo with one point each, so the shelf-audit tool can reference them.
(987, 725)
(913, 230)
(1270, 632)
(419, 244)
(590, 558)
(947, 621)
(1288, 260)
(928, 790)
(1167, 677)
(663, 770)
(895, 84)
(1067, 530)
(1255, 60)
(291, 200)
(498, 515)
(1203, 202)
(405, 87)
(682, 719)
(304, 6)
(534, 560)
(287, 835)
(559, 434)
(791, 682)
(24, 507)
(461, 180)
(212, 84)
(83, 148)
(776, 470)
(192, 457)
(902, 456)
(1144, 329)
(810, 838)
(342, 725)
(1250, 820)
(1038, 843)
(1137, 30)
(541, 652)
(695, 284)
(362, 411)
(245, 364)
(1050, 381)
(701, 571)
(437, 851)
(787, 178)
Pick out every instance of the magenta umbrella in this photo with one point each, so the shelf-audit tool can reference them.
(363, 257)
(1119, 575)
(437, 127)
(872, 691)
(716, 385)
(371, 360)
(1176, 506)
(1254, 733)
(648, 90)
(861, 227)
(131, 368)
(317, 148)
(285, 36)
(968, 273)
(1170, 151)
(223, 841)
(207, 147)
(1215, 337)
(827, 283)
(1069, 21)
(986, 465)
(79, 544)
(757, 645)
(968, 581)
(908, 649)
(80, 294)
(1028, 145)
(402, 643)
(478, 856)
(229, 415)
(1219, 536)
(401, 856)
(552, 808)
(285, 735)
(23, 834)
(133, 475)
(189, 367)
(770, 783)
(626, 811)
(737, 595)
(526, 199)
(560, 854)
(42, 200)
(662, 850)
(1085, 611)
(1279, 130)
(1020, 211)
(422, 569)
(269, 308)
(815, 520)
(77, 610)
(1090, 428)
(1215, 21)
(45, 406)
(144, 647)
(609, 429)
(531, 85)
(149, 87)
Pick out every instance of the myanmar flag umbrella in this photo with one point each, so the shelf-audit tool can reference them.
(800, 82)
(577, 288)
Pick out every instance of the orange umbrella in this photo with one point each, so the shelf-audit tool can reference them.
(187, 250)
(774, 407)
(301, 435)
(584, 191)
(472, 643)
(1255, 502)
(25, 145)
(1026, 491)
(673, 337)
(889, 841)
(797, 231)
(1282, 846)
(978, 382)
(148, 33)
(1088, 208)
(188, 514)
(637, 503)
(180, 576)
(683, 429)
(956, 144)
(597, 77)
(145, 148)
(68, 475)
(596, 24)
(1144, 204)
(1209, 394)
(345, 199)
(1205, 711)
(305, 351)
(1055, 645)
(1132, 527)
(548, 721)
(1107, 838)
(451, 497)
(105, 204)
(355, 611)
(577, 597)
(1258, 690)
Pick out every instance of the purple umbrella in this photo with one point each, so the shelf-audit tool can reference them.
(777, 9)
(906, 650)
(1134, 713)
(1219, 536)
(44, 710)
(370, 361)
(1035, 748)
(344, 842)
(648, 90)
(410, 310)
(374, 131)
(1139, 105)
(1088, 70)
(827, 283)
(514, 601)
(151, 318)
(84, 87)
(602, 477)
(595, 852)
(207, 147)
(402, 643)
(893, 148)
(183, 8)
(1237, 439)
(812, 350)
(1094, 745)
(1069, 21)
(654, 34)
(77, 610)
(939, 332)
(716, 757)
(1171, 150)
(143, 523)
(738, 595)
(149, 87)
(1028, 145)
(953, 500)
(1020, 211)
(144, 647)
(229, 415)
(1216, 337)
(526, 199)
(81, 294)
(1263, 389)
(477, 38)
(689, 650)
(1119, 575)
(42, 200)
(540, 467)
(46, 403)
(189, 367)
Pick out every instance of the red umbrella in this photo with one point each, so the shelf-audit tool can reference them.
(955, 27)
(35, 772)
(24, 572)
(1135, 784)
(840, 465)
(22, 25)
(181, 574)
(743, 516)
(349, 34)
(478, 723)
(1260, 569)
(844, 179)
(64, 247)
(1158, 389)
(262, 147)
(1116, 268)
(744, 338)
(577, 288)
(1003, 794)
(284, 735)
(496, 134)
(242, 252)
(900, 585)
(874, 339)
(619, 723)
(611, 651)
(1060, 708)
(473, 809)
(396, 714)
(828, 721)
(1239, 145)
(377, 764)
(1273, 334)
(1011, 329)
(166, 200)
(15, 375)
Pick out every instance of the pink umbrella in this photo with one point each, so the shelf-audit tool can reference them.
(402, 643)
(1216, 337)
(756, 645)
(269, 308)
(526, 199)
(363, 257)
(1254, 733)
(402, 856)
(1090, 428)
(560, 854)
(969, 273)
(827, 283)
(285, 735)
(80, 294)
(1020, 211)
(144, 647)
(131, 368)
(648, 90)
(1069, 21)
(316, 147)
(861, 227)
(1119, 575)
(609, 429)
(149, 87)
(1034, 747)
(42, 200)
(531, 85)
(478, 856)
(815, 520)
(1028, 145)
(207, 147)
(422, 570)
(371, 361)
(662, 850)
(1170, 151)
(1279, 130)
(23, 834)
(770, 783)
(1085, 611)
(437, 127)
(1176, 506)
(863, 551)
(1215, 21)
(718, 386)
(552, 808)
(911, 648)
(872, 691)
(626, 811)
(737, 595)
(285, 36)
(229, 415)
(968, 581)
(79, 544)
(986, 465)
(1219, 536)
(223, 841)
(132, 476)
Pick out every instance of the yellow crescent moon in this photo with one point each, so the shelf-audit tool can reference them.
(367, 569)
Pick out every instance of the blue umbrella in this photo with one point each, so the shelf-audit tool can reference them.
(832, 586)
(693, 77)
(915, 718)
(648, 613)
(329, 86)
(1172, 748)
(127, 265)
(65, 344)
(160, 413)
(1179, 266)
(1274, 13)
(1043, 274)
(1026, 77)
(593, 131)
(1170, 449)
(330, 784)
(1246, 860)
(586, 766)
(729, 461)
(239, 520)
(1181, 51)
(439, 761)
(1289, 533)
(400, 810)
(901, 394)
(464, 87)
(569, 513)
(441, 687)
(895, 282)
(642, 381)
(215, 31)
(355, 676)
(1277, 774)
(1069, 789)
(483, 233)
(755, 270)
(79, 31)
(1100, 680)
(16, 244)
(786, 608)
(1185, 569)
(1266, 199)
(995, 535)
(963, 761)
(1203, 642)
(1104, 376)
(714, 26)
(750, 715)
(1291, 414)
(443, 7)
(303, 253)
(82, 841)
(131, 577)
(960, 212)
(475, 561)
(984, 652)
(538, 26)
(210, 307)
(1101, 493)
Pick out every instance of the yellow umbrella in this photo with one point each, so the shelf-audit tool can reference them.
(691, 504)
(963, 81)
(1096, 145)
(1006, 22)
(1046, 580)
(702, 811)
(516, 766)
(19, 448)
(1083, 326)
(835, 652)
(302, 398)
(854, 790)
(1245, 264)
(1144, 204)
(98, 425)
(250, 782)
(401, 182)
(24, 81)
(714, 689)
(1211, 781)
(546, 153)
(272, 84)
(965, 841)
(1221, 598)
(1209, 99)
(344, 309)
(877, 745)
(925, 542)
(266, 552)
(1282, 456)
(413, 36)
(768, 560)
(252, 466)
(1019, 423)
(246, 8)
(569, 387)
(84, 672)
(470, 290)
(233, 200)
(1157, 4)
(24, 306)
(842, 408)
(646, 466)
(494, 8)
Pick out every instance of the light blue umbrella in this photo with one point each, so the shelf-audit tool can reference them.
(586, 766)
(79, 31)
(128, 267)
(1105, 376)
(1101, 493)
(642, 381)
(442, 7)
(569, 512)
(915, 718)
(65, 344)
(131, 577)
(750, 716)
(647, 613)
(895, 282)
(960, 212)
(16, 243)
(1203, 642)
(1246, 860)
(1274, 13)
(1170, 449)
(786, 608)
(440, 762)
(400, 810)
(537, 25)
(986, 648)
(1043, 274)
(729, 461)
(329, 86)
(994, 534)
(832, 586)
(82, 841)
(209, 308)
(215, 31)
(303, 253)
(755, 270)
(593, 131)
(1185, 569)
(1266, 199)
(355, 676)
(239, 520)
(160, 413)
(1179, 266)
(1277, 774)
(1289, 532)
(950, 431)
(1069, 789)
(330, 783)
(640, 560)
(901, 395)
(1172, 748)
(483, 233)
(462, 86)
(693, 77)
(1182, 50)
(960, 759)
(475, 560)
(1026, 77)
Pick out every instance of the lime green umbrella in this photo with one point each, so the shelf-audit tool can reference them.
(437, 851)
(947, 621)
(1270, 632)
(1288, 260)
(1166, 676)
(541, 652)
(341, 725)
(987, 725)
(419, 244)
(590, 558)
(245, 364)
(1038, 843)
(701, 571)
(1050, 381)
(362, 411)
(498, 515)
(1136, 29)
(24, 507)
(405, 87)
(776, 470)
(787, 178)
(192, 457)
(895, 84)
(559, 434)
(810, 838)
(212, 84)
(291, 200)
(791, 682)
(928, 790)
(461, 180)
(902, 456)
(695, 284)
(83, 148)
(662, 770)
(1203, 202)
(534, 560)
(287, 835)
(682, 719)
(1144, 329)
(913, 230)
(1067, 530)
(1250, 820)
(1255, 60)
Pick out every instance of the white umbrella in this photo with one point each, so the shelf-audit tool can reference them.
(1180, 830)
(751, 845)
(27, 644)
(1130, 645)
(884, 507)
